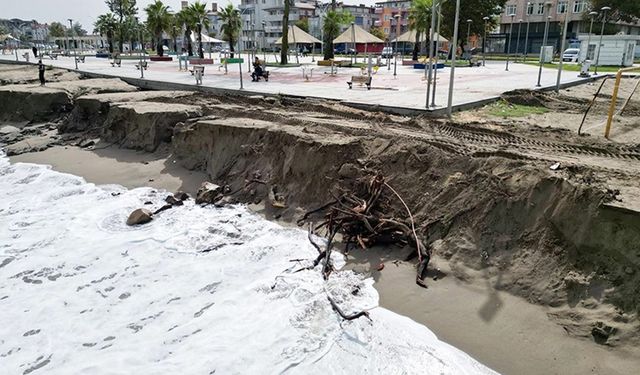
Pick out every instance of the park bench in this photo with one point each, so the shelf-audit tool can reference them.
(116, 61)
(52, 56)
(26, 56)
(142, 64)
(361, 80)
(80, 59)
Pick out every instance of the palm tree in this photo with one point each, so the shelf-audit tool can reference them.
(174, 30)
(187, 19)
(419, 15)
(106, 26)
(158, 19)
(284, 51)
(231, 24)
(199, 14)
(123, 9)
(332, 22)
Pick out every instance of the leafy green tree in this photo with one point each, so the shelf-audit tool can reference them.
(199, 14)
(474, 10)
(231, 24)
(621, 10)
(174, 30)
(188, 20)
(332, 22)
(106, 26)
(158, 20)
(3, 30)
(78, 30)
(303, 24)
(377, 32)
(124, 10)
(420, 21)
(57, 30)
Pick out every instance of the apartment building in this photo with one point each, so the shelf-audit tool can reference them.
(255, 12)
(364, 16)
(384, 17)
(532, 14)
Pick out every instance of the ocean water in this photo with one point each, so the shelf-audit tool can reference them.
(196, 291)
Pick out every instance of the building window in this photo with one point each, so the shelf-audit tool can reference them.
(562, 7)
(529, 9)
(511, 9)
(540, 8)
(579, 6)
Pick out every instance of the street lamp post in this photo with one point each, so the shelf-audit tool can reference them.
(429, 63)
(526, 38)
(586, 55)
(75, 56)
(469, 21)
(564, 37)
(515, 58)
(604, 19)
(509, 44)
(435, 71)
(140, 40)
(453, 59)
(544, 42)
(395, 55)
(484, 41)
(264, 48)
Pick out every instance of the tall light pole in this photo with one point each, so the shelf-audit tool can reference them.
(526, 38)
(509, 44)
(468, 34)
(515, 58)
(75, 55)
(604, 20)
(264, 47)
(435, 70)
(453, 59)
(544, 42)
(592, 14)
(484, 41)
(395, 55)
(564, 37)
(140, 57)
(428, 66)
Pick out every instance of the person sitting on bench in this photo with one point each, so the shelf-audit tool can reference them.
(257, 71)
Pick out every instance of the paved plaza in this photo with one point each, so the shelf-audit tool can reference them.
(406, 90)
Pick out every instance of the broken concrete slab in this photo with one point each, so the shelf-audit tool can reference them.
(32, 102)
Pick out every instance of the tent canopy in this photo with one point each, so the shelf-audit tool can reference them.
(298, 35)
(205, 39)
(357, 34)
(6, 37)
(410, 37)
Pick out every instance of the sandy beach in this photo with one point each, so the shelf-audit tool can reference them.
(500, 330)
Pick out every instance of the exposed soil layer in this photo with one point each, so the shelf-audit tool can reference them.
(482, 194)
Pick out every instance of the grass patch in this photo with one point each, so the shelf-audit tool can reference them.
(576, 67)
(505, 109)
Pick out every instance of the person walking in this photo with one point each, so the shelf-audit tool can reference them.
(35, 51)
(41, 72)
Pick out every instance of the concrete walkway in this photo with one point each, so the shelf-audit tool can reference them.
(407, 90)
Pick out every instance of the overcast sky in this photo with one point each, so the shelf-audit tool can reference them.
(86, 11)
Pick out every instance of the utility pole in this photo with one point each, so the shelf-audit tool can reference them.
(544, 42)
(564, 37)
(75, 56)
(484, 41)
(509, 44)
(604, 20)
(453, 59)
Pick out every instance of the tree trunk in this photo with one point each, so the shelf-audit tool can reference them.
(110, 41)
(416, 46)
(175, 45)
(200, 50)
(159, 48)
(284, 52)
(187, 35)
(231, 49)
(328, 47)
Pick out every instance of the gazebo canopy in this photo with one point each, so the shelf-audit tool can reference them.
(205, 39)
(410, 36)
(357, 34)
(297, 35)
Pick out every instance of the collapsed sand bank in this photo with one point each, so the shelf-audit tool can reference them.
(485, 199)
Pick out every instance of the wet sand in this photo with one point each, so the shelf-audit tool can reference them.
(502, 331)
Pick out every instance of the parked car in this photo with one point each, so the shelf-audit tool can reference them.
(387, 52)
(341, 49)
(571, 55)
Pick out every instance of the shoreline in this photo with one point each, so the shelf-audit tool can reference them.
(502, 331)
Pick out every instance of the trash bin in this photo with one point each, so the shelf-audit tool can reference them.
(584, 68)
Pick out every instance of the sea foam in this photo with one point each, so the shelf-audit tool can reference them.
(199, 290)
